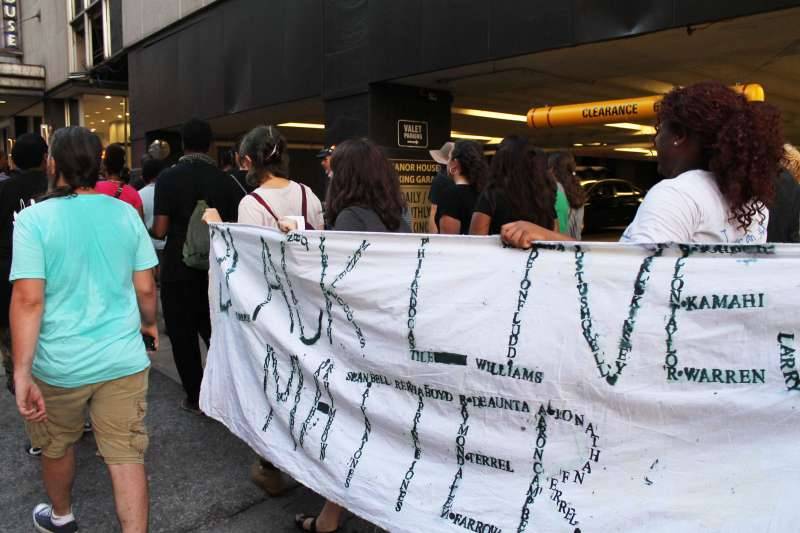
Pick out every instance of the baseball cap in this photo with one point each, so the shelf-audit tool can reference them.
(325, 152)
(443, 154)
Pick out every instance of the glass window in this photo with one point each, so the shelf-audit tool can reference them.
(77, 7)
(79, 44)
(95, 16)
(108, 116)
(91, 33)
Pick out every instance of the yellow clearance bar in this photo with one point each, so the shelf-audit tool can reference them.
(624, 110)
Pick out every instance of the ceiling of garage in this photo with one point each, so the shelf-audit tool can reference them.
(762, 49)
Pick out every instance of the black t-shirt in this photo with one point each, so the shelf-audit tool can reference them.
(20, 187)
(178, 189)
(784, 213)
(440, 183)
(363, 219)
(494, 203)
(16, 191)
(458, 202)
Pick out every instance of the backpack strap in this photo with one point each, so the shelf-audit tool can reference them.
(264, 204)
(119, 191)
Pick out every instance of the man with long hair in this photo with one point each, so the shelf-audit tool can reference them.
(83, 299)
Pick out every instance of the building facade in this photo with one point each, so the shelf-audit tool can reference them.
(409, 74)
(447, 69)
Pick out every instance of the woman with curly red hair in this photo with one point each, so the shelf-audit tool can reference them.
(720, 154)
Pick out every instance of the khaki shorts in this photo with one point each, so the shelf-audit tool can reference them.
(117, 410)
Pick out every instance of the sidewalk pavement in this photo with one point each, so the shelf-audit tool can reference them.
(198, 473)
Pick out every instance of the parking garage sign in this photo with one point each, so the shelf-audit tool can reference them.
(416, 176)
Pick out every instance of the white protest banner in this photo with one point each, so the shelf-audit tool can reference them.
(446, 384)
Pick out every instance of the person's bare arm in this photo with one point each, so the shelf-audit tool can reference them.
(160, 226)
(140, 210)
(211, 216)
(432, 220)
(27, 307)
(480, 224)
(145, 286)
(449, 225)
(522, 234)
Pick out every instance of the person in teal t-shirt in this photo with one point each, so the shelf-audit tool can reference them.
(83, 297)
(81, 245)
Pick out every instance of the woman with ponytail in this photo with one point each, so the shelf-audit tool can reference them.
(720, 155)
(263, 153)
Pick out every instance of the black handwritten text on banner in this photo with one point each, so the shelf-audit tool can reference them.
(433, 383)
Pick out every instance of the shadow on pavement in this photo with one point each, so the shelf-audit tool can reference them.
(198, 474)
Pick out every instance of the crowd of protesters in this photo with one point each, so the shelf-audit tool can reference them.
(78, 331)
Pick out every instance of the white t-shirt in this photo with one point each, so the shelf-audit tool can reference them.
(691, 208)
(284, 202)
(147, 193)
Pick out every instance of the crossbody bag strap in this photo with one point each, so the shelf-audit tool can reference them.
(119, 191)
(264, 204)
(305, 207)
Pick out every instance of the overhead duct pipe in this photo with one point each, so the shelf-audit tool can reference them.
(624, 110)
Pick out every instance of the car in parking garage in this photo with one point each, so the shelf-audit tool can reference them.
(610, 203)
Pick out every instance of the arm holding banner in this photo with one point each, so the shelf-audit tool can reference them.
(211, 216)
(522, 234)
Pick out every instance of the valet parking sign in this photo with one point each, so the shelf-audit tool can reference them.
(448, 384)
